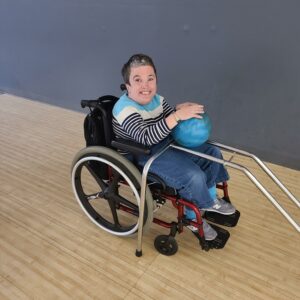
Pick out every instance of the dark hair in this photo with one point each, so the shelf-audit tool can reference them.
(136, 60)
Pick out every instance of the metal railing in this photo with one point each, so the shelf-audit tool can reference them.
(228, 163)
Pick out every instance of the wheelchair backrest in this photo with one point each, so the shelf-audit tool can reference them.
(98, 123)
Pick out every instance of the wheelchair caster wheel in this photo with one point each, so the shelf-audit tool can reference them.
(166, 245)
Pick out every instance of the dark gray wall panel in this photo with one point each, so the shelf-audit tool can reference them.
(239, 58)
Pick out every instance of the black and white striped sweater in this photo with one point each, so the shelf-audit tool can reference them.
(144, 124)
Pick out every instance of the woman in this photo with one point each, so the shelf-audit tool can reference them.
(145, 117)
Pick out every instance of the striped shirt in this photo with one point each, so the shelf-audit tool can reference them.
(144, 124)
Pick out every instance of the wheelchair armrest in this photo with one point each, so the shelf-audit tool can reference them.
(130, 146)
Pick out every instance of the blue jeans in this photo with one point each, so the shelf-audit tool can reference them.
(189, 174)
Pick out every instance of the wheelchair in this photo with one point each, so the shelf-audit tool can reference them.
(121, 198)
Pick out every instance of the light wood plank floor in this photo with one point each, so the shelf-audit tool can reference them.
(50, 250)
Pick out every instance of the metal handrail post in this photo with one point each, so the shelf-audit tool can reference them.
(143, 198)
(212, 158)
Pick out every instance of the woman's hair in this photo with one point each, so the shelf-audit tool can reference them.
(136, 60)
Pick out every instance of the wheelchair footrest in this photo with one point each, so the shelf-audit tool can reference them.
(226, 220)
(219, 242)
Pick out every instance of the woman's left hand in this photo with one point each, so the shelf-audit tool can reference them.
(189, 110)
(180, 105)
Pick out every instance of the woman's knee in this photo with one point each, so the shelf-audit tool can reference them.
(196, 180)
(215, 152)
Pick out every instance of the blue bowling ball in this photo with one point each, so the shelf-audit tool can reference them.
(192, 132)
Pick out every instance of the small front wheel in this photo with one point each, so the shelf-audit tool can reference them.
(166, 245)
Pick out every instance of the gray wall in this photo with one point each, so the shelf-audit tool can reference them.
(239, 58)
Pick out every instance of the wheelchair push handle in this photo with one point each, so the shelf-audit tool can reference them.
(104, 100)
(89, 103)
(101, 100)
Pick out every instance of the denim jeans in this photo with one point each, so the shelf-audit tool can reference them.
(189, 174)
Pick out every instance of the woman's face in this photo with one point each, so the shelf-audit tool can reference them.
(142, 85)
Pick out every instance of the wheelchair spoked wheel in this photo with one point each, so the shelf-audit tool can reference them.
(166, 244)
(107, 187)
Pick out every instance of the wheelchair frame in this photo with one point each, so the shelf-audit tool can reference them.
(167, 244)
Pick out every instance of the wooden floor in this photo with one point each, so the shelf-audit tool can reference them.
(50, 250)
